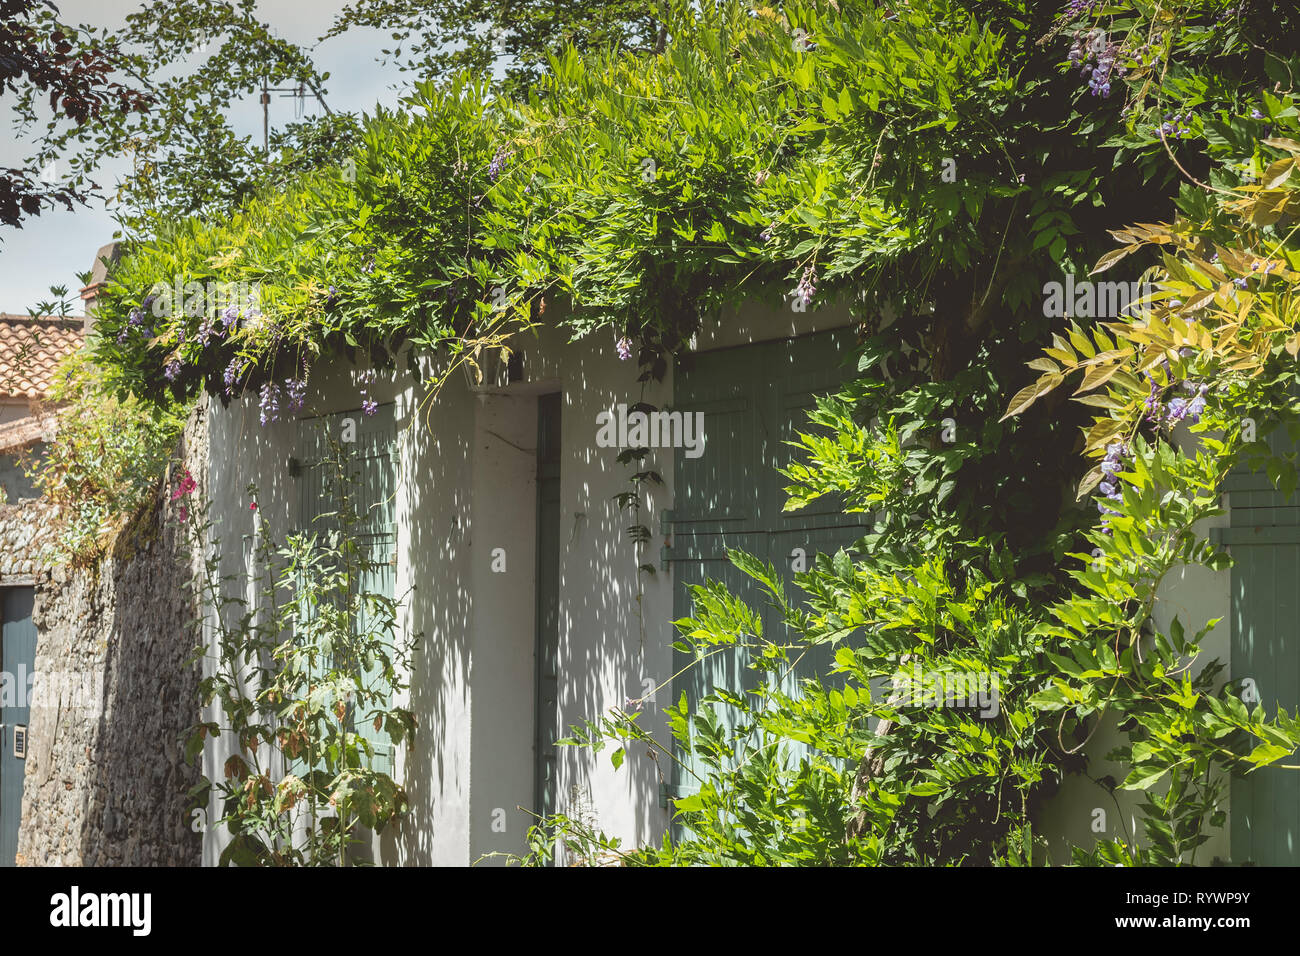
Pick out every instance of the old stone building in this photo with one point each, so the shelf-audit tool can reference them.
(95, 693)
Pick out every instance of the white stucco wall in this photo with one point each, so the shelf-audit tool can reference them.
(466, 487)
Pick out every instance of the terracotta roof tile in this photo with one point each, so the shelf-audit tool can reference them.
(31, 349)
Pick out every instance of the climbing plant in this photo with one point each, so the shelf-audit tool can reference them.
(932, 166)
(300, 657)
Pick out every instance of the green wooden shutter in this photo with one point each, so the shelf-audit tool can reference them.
(1264, 539)
(754, 399)
(369, 491)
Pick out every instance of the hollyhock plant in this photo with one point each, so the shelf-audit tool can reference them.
(186, 486)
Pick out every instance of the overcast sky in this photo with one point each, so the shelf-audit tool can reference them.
(50, 249)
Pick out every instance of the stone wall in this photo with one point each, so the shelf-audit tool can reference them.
(114, 698)
(14, 480)
(27, 533)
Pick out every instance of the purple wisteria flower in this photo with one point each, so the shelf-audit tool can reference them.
(1099, 82)
(807, 287)
(1177, 410)
(1196, 407)
(367, 378)
(499, 161)
(1094, 56)
(207, 331)
(269, 403)
(624, 348)
(172, 370)
(1176, 125)
(232, 373)
(1110, 487)
(1256, 114)
(296, 390)
(767, 234)
(1152, 407)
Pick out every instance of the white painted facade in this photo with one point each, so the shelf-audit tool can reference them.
(466, 485)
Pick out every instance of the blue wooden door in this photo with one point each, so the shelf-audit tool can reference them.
(754, 399)
(17, 660)
(1264, 540)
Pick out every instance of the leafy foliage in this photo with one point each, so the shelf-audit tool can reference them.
(478, 35)
(192, 60)
(297, 674)
(1092, 636)
(40, 56)
(1211, 352)
(106, 460)
(934, 166)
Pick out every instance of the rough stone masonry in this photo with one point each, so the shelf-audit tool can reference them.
(107, 785)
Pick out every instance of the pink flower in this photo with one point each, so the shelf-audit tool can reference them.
(187, 485)
(252, 506)
(184, 512)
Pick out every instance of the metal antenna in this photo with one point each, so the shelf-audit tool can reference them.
(299, 91)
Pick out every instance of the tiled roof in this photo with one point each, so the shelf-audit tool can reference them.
(31, 349)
